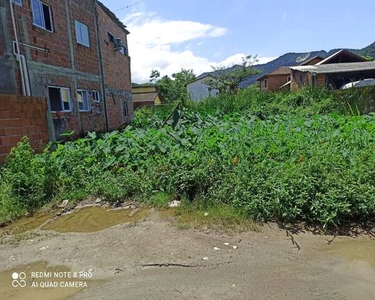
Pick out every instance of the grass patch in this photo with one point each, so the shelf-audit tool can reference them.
(223, 218)
(159, 200)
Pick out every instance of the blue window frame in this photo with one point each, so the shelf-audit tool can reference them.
(82, 33)
(42, 15)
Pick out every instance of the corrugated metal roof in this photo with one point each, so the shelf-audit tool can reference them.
(145, 97)
(311, 59)
(281, 71)
(329, 58)
(278, 71)
(337, 68)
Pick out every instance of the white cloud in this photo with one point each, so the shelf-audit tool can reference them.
(155, 43)
(265, 59)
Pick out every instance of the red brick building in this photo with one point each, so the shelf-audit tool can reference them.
(280, 79)
(274, 80)
(74, 53)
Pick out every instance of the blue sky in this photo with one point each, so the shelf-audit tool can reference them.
(168, 35)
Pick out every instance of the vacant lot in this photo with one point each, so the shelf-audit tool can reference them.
(153, 259)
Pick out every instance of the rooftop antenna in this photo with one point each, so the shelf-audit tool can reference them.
(130, 5)
(302, 57)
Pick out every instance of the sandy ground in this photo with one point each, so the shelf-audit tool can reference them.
(154, 260)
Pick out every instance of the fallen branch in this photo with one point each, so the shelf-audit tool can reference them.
(167, 265)
(331, 241)
(294, 242)
(118, 270)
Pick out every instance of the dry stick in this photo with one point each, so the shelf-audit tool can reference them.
(370, 232)
(166, 265)
(330, 241)
(294, 242)
(118, 270)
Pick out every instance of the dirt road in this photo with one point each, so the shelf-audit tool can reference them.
(152, 259)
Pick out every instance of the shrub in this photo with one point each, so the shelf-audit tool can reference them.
(25, 175)
(272, 156)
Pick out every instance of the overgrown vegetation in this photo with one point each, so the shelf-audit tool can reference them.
(285, 157)
(226, 79)
(172, 89)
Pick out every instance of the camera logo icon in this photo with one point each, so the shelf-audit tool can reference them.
(19, 279)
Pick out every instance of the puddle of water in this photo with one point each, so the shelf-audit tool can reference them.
(353, 250)
(26, 224)
(93, 219)
(356, 266)
(41, 288)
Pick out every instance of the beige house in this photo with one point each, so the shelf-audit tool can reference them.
(146, 95)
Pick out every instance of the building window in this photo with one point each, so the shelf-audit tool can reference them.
(288, 79)
(82, 33)
(125, 109)
(42, 16)
(59, 99)
(265, 83)
(111, 37)
(118, 46)
(83, 100)
(123, 50)
(96, 96)
(18, 2)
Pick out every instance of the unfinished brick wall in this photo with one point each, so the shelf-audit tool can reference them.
(55, 59)
(274, 82)
(116, 68)
(86, 58)
(22, 116)
(57, 41)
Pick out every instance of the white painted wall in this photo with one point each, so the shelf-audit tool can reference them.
(198, 90)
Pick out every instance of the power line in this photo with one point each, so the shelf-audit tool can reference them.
(130, 5)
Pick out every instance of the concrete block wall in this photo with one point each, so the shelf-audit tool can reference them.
(22, 116)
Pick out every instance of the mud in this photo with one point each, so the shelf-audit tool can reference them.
(353, 250)
(355, 265)
(93, 219)
(27, 223)
(249, 265)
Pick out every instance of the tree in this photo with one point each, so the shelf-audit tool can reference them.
(155, 74)
(227, 79)
(181, 80)
(173, 89)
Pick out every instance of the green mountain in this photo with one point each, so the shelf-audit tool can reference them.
(368, 51)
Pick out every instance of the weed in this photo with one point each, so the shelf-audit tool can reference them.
(159, 200)
(250, 156)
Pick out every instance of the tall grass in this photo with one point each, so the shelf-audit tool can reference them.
(307, 100)
(273, 156)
